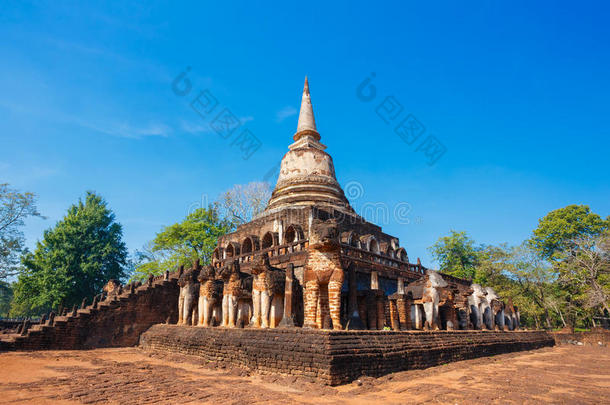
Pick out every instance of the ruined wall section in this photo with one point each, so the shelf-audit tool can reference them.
(276, 222)
(10, 325)
(115, 322)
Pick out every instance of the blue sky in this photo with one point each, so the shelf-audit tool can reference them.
(516, 92)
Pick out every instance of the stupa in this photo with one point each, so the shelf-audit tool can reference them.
(307, 191)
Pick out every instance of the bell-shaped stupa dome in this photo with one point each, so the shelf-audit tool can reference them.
(307, 173)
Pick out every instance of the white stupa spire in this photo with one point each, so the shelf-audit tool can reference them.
(307, 173)
(307, 122)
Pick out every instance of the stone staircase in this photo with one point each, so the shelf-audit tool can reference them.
(118, 320)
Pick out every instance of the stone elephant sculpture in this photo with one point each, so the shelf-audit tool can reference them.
(267, 293)
(511, 316)
(210, 293)
(496, 308)
(233, 292)
(431, 295)
(477, 303)
(187, 301)
(323, 276)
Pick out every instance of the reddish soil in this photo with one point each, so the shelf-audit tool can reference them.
(564, 374)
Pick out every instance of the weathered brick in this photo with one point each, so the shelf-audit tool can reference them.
(337, 357)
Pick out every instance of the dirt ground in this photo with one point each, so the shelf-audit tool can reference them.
(564, 374)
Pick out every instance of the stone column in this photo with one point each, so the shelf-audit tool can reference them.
(380, 310)
(404, 304)
(288, 319)
(362, 308)
(371, 310)
(386, 309)
(417, 312)
(394, 315)
(401, 286)
(375, 305)
(354, 322)
(374, 280)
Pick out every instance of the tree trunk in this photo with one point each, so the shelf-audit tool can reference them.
(561, 316)
(548, 320)
(605, 305)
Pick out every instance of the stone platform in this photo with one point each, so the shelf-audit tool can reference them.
(336, 357)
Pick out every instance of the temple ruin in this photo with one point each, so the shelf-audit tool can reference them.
(308, 287)
(344, 273)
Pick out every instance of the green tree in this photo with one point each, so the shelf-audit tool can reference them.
(534, 281)
(6, 295)
(571, 239)
(586, 268)
(15, 207)
(73, 261)
(491, 267)
(195, 237)
(457, 255)
(557, 230)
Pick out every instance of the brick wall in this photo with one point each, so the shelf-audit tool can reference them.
(336, 357)
(114, 323)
